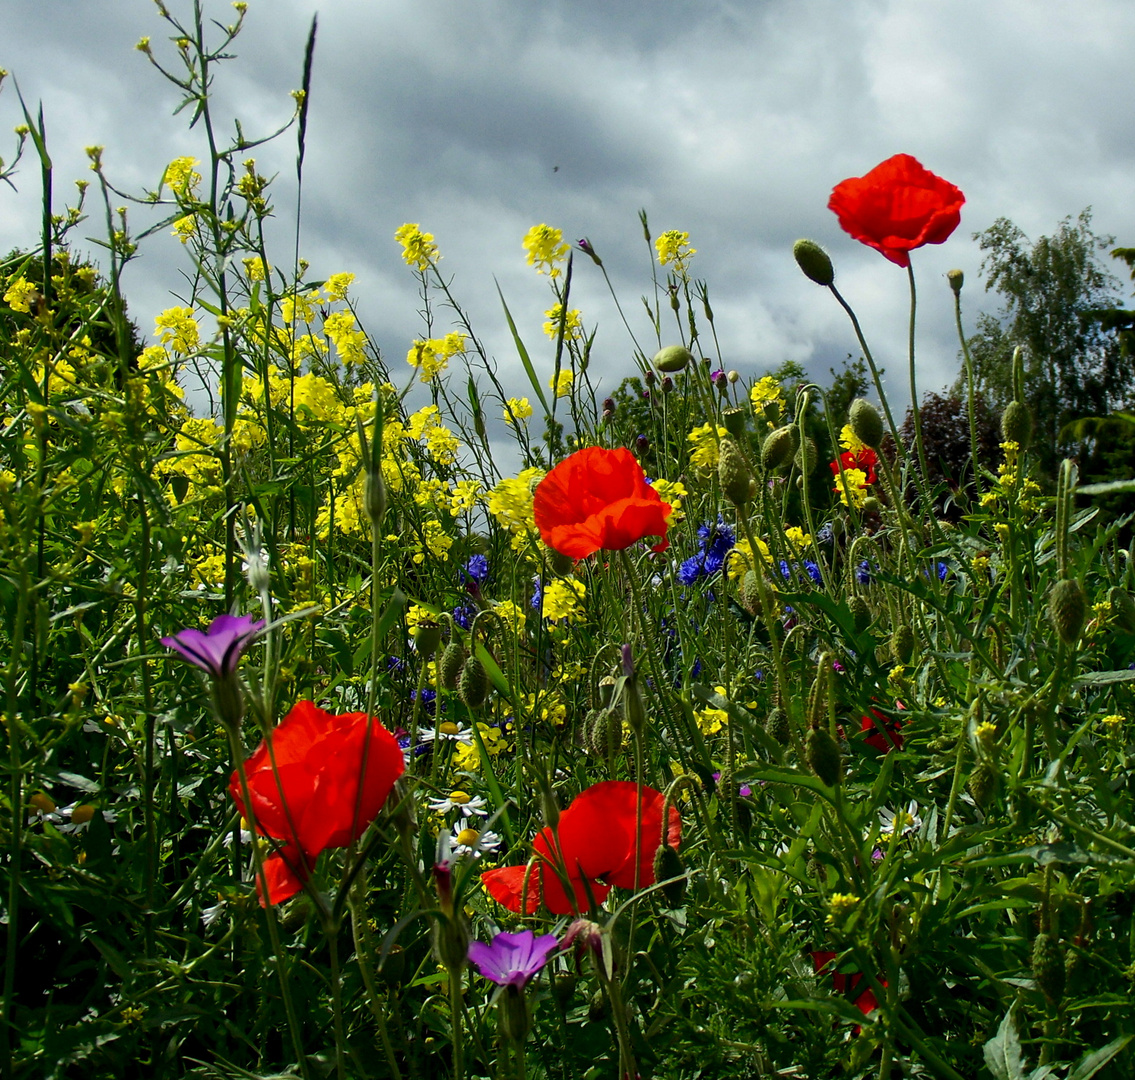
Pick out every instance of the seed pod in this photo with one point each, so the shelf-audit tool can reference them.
(733, 472)
(427, 638)
(814, 261)
(1067, 610)
(866, 423)
(860, 613)
(672, 358)
(902, 643)
(871, 505)
(563, 987)
(778, 447)
(982, 783)
(1017, 424)
(956, 278)
(776, 725)
(473, 683)
(668, 864)
(449, 667)
(1048, 967)
(735, 421)
(822, 755)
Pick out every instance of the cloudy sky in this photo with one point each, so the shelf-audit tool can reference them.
(726, 118)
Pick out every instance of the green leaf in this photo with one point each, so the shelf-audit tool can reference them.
(1003, 1051)
(1111, 487)
(524, 358)
(1090, 1064)
(1103, 678)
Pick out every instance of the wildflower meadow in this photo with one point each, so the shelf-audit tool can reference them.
(383, 716)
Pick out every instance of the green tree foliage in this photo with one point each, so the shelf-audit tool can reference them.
(1053, 289)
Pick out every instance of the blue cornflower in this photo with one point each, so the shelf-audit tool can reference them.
(824, 534)
(813, 571)
(537, 593)
(714, 560)
(477, 568)
(863, 573)
(943, 570)
(785, 571)
(463, 615)
(691, 569)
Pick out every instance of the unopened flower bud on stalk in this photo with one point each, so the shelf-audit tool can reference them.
(814, 261)
(1017, 424)
(778, 447)
(866, 423)
(956, 279)
(672, 358)
(1067, 610)
(473, 683)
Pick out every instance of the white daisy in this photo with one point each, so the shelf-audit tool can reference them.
(459, 800)
(903, 822)
(474, 842)
(447, 730)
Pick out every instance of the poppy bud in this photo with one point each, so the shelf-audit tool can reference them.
(733, 472)
(1122, 609)
(902, 643)
(451, 940)
(806, 457)
(778, 447)
(1017, 424)
(821, 752)
(632, 697)
(668, 864)
(776, 725)
(641, 446)
(449, 667)
(427, 639)
(956, 279)
(599, 1008)
(563, 987)
(1067, 609)
(751, 592)
(473, 683)
(860, 613)
(871, 505)
(673, 358)
(1048, 967)
(866, 423)
(667, 384)
(814, 261)
(982, 783)
(609, 405)
(650, 378)
(735, 421)
(733, 375)
(611, 733)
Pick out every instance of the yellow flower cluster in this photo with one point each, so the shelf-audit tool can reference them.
(672, 492)
(850, 441)
(562, 383)
(432, 355)
(510, 502)
(551, 709)
(545, 248)
(768, 398)
(20, 294)
(852, 487)
(563, 599)
(703, 452)
(741, 558)
(517, 410)
(340, 329)
(573, 323)
(418, 248)
(711, 721)
(177, 328)
(467, 758)
(181, 176)
(674, 248)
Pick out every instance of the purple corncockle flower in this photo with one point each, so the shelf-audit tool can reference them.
(218, 650)
(512, 959)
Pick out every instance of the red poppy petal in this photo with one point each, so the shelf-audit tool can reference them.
(280, 873)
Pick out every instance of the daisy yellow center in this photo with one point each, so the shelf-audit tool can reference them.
(459, 797)
(449, 728)
(468, 837)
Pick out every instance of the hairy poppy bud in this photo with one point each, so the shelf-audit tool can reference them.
(866, 423)
(776, 724)
(1067, 609)
(449, 667)
(806, 457)
(778, 447)
(561, 564)
(902, 643)
(733, 472)
(982, 783)
(473, 683)
(1048, 967)
(821, 752)
(668, 864)
(451, 940)
(956, 279)
(1122, 609)
(860, 613)
(1017, 424)
(814, 261)
(751, 592)
(871, 505)
(672, 358)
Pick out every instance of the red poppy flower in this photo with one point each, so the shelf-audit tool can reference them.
(596, 840)
(865, 460)
(307, 792)
(885, 731)
(897, 207)
(598, 499)
(866, 1002)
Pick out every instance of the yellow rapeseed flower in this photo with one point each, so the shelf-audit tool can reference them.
(20, 295)
(418, 248)
(181, 177)
(177, 328)
(703, 452)
(562, 383)
(573, 324)
(674, 247)
(546, 248)
(517, 411)
(563, 599)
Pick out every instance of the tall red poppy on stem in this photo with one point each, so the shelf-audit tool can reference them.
(595, 839)
(306, 793)
(897, 206)
(598, 499)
